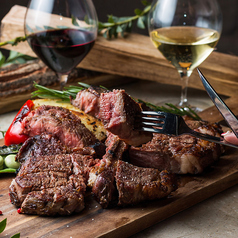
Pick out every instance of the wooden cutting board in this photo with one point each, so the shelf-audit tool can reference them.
(115, 222)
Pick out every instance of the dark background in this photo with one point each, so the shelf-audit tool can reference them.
(227, 44)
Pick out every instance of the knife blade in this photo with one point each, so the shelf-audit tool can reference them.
(225, 111)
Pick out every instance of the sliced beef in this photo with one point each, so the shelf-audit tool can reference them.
(104, 189)
(48, 144)
(59, 122)
(182, 154)
(56, 201)
(102, 177)
(136, 184)
(88, 100)
(51, 185)
(118, 113)
(43, 144)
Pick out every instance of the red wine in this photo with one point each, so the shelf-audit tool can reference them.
(63, 49)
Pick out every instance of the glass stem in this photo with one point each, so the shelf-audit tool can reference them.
(63, 78)
(184, 84)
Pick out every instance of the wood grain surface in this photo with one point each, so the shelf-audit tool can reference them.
(115, 222)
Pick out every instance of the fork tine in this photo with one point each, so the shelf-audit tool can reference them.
(153, 113)
(157, 122)
(173, 125)
(154, 118)
(152, 124)
(153, 130)
(151, 121)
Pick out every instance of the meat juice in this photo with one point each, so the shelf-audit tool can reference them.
(62, 49)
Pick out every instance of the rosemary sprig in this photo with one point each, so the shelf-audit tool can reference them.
(71, 92)
(120, 25)
(14, 42)
(113, 26)
(65, 95)
(171, 108)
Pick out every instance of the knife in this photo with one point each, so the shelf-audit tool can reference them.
(225, 111)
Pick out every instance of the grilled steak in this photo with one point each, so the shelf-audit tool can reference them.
(48, 144)
(183, 154)
(102, 177)
(59, 122)
(136, 184)
(43, 144)
(50, 185)
(118, 112)
(88, 100)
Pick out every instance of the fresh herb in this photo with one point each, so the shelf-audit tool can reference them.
(14, 42)
(3, 225)
(71, 92)
(120, 25)
(65, 95)
(14, 58)
(3, 133)
(172, 109)
(113, 26)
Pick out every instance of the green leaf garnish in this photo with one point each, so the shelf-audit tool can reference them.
(173, 109)
(71, 92)
(3, 224)
(16, 236)
(111, 28)
(115, 25)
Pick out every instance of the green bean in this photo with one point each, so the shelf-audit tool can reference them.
(10, 161)
(1, 162)
(7, 170)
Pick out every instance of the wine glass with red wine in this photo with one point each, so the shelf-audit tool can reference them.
(61, 32)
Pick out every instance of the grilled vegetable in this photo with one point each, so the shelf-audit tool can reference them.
(10, 162)
(93, 124)
(12, 135)
(1, 162)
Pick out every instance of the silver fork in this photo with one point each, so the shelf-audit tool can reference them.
(173, 125)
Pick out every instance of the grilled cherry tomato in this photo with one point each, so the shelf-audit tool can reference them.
(12, 135)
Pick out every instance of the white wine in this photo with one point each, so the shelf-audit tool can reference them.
(185, 47)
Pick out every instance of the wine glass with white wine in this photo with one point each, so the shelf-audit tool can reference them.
(185, 32)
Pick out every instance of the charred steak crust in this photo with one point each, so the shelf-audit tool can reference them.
(48, 144)
(136, 184)
(43, 144)
(61, 122)
(182, 154)
(51, 185)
